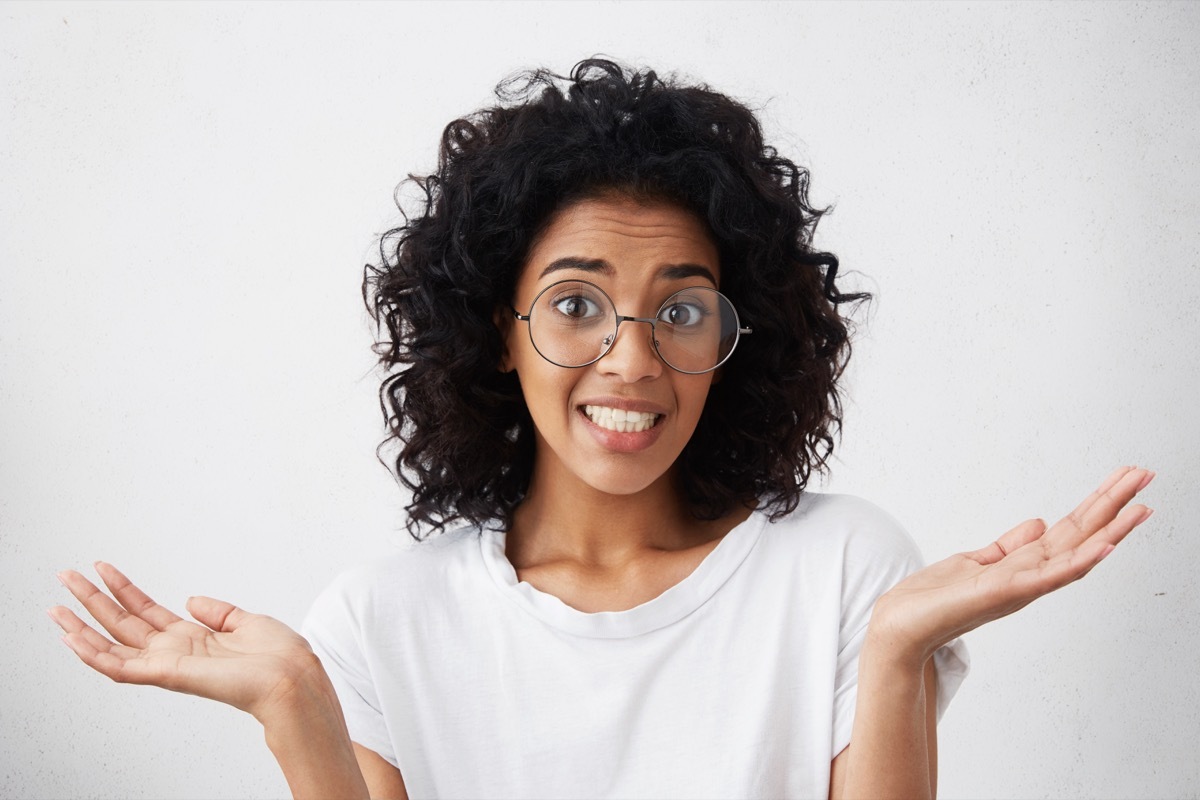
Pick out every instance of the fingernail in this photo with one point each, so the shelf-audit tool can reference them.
(1146, 516)
(60, 577)
(1107, 551)
(1149, 476)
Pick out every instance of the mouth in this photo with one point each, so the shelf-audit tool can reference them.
(621, 420)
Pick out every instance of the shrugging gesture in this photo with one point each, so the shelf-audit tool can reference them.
(951, 597)
(250, 661)
(245, 660)
(893, 751)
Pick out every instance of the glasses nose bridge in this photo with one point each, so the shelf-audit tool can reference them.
(648, 320)
(612, 338)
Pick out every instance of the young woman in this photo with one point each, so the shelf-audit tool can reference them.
(614, 358)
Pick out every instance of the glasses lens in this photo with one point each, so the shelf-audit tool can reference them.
(572, 323)
(696, 330)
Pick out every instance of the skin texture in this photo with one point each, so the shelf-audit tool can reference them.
(600, 527)
(635, 242)
(603, 528)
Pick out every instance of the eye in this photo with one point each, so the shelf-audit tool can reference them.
(576, 306)
(683, 314)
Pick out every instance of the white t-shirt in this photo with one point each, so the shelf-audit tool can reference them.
(739, 681)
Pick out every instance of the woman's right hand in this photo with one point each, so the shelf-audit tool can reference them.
(249, 661)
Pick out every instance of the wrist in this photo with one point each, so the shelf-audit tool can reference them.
(888, 649)
(306, 731)
(302, 693)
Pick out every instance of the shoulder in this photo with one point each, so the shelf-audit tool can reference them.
(843, 522)
(842, 539)
(841, 552)
(416, 570)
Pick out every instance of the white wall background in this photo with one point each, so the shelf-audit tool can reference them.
(188, 192)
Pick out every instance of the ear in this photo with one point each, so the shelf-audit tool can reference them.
(502, 319)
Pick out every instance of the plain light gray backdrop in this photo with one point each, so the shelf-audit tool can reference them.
(188, 194)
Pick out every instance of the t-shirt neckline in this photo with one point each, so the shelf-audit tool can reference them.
(667, 608)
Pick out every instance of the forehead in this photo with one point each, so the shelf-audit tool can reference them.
(636, 239)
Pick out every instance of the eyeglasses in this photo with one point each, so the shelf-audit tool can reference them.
(574, 324)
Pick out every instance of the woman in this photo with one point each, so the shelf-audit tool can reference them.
(614, 359)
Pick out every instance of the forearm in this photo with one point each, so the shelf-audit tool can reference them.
(306, 732)
(892, 750)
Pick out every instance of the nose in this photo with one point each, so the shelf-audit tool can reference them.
(632, 356)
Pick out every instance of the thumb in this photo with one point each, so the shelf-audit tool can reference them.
(216, 614)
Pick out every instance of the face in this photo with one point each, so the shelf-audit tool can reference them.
(639, 254)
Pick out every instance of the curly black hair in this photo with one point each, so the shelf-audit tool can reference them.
(460, 434)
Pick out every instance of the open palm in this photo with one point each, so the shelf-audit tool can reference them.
(245, 660)
(949, 598)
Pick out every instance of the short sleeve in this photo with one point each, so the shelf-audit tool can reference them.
(334, 629)
(877, 555)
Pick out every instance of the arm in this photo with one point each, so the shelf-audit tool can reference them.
(893, 750)
(383, 779)
(893, 745)
(250, 661)
(308, 738)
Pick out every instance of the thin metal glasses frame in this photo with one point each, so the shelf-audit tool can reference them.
(651, 321)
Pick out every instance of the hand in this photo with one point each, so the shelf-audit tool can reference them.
(249, 661)
(947, 599)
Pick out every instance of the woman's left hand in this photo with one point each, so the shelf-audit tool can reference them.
(951, 597)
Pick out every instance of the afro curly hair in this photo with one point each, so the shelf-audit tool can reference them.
(460, 434)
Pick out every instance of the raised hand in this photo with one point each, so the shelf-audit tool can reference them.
(951, 597)
(249, 661)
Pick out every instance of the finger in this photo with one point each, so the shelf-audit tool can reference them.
(1101, 507)
(120, 624)
(102, 661)
(1074, 564)
(114, 661)
(1109, 504)
(134, 599)
(1115, 532)
(1028, 531)
(70, 623)
(1106, 485)
(1100, 546)
(217, 614)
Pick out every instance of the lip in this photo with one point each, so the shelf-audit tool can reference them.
(616, 441)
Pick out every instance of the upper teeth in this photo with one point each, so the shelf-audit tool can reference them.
(620, 419)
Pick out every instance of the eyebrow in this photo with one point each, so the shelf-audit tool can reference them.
(667, 271)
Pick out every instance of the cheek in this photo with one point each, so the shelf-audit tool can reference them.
(693, 393)
(546, 388)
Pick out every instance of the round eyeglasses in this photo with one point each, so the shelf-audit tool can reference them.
(574, 323)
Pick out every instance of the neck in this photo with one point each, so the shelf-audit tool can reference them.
(597, 551)
(567, 520)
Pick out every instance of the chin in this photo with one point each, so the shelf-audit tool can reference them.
(620, 480)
